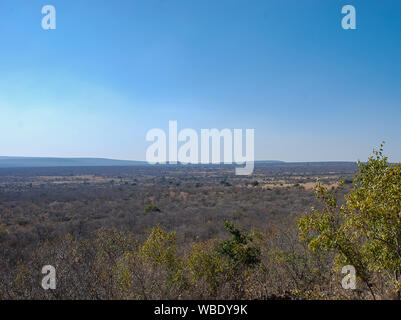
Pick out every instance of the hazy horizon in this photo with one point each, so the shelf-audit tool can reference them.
(135, 160)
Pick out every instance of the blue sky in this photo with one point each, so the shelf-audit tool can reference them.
(112, 70)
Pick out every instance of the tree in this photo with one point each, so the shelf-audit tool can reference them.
(240, 249)
(366, 231)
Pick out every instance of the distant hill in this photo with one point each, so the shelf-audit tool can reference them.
(36, 162)
(28, 162)
(269, 161)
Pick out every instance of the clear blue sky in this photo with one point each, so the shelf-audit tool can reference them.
(112, 70)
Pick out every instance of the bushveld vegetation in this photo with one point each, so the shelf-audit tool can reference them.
(201, 232)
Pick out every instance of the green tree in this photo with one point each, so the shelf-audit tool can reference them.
(365, 231)
(240, 248)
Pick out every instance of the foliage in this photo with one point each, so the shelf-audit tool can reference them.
(240, 249)
(365, 231)
(151, 208)
(205, 264)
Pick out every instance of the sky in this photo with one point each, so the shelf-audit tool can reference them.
(113, 70)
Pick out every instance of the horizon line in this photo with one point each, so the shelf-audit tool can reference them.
(167, 162)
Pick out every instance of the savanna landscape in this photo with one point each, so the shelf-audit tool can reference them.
(192, 155)
(196, 232)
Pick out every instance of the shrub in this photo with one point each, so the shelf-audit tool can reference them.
(240, 249)
(366, 231)
(151, 208)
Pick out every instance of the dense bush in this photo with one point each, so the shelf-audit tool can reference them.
(107, 242)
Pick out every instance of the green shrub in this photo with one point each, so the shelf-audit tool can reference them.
(151, 208)
(366, 231)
